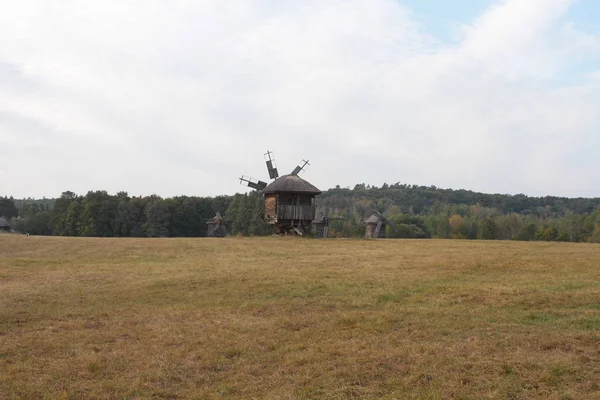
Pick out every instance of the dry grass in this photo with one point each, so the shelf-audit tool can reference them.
(297, 319)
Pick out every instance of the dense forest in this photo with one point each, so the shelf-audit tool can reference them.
(427, 211)
(416, 211)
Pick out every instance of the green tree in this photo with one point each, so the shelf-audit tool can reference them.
(258, 225)
(8, 209)
(528, 232)
(547, 232)
(489, 229)
(572, 225)
(157, 218)
(71, 223)
(510, 226)
(458, 228)
(98, 214)
(59, 213)
(38, 224)
(130, 217)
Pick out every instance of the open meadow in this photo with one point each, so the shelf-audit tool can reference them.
(285, 318)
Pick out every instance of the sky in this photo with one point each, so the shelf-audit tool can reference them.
(174, 97)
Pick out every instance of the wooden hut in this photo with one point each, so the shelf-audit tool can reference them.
(290, 204)
(4, 225)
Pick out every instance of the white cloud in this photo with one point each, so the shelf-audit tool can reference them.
(184, 97)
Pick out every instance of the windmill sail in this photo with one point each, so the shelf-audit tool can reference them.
(300, 168)
(390, 223)
(378, 228)
(271, 166)
(216, 226)
(253, 183)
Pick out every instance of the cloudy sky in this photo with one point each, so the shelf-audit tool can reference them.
(183, 97)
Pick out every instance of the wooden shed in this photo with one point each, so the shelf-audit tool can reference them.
(290, 204)
(5, 225)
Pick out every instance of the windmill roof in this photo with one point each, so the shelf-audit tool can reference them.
(217, 218)
(4, 223)
(373, 219)
(291, 184)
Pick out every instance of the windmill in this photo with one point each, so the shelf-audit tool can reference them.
(217, 227)
(322, 224)
(289, 199)
(376, 222)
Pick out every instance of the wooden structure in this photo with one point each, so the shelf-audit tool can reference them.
(289, 199)
(371, 226)
(5, 225)
(375, 226)
(216, 226)
(322, 224)
(290, 204)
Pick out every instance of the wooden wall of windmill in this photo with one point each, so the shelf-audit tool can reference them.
(289, 199)
(216, 226)
(375, 225)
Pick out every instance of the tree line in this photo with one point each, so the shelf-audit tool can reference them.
(430, 212)
(100, 214)
(415, 211)
(447, 221)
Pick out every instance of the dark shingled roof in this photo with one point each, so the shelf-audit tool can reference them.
(290, 184)
(373, 219)
(4, 223)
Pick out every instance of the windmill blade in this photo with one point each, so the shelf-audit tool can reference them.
(377, 213)
(377, 229)
(258, 218)
(388, 208)
(253, 183)
(390, 223)
(271, 166)
(258, 215)
(301, 167)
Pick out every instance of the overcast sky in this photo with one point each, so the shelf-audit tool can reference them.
(183, 97)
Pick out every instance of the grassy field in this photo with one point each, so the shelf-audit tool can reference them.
(279, 318)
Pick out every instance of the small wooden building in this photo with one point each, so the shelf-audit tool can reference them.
(5, 225)
(290, 204)
(371, 226)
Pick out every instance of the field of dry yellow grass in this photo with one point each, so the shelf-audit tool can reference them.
(282, 318)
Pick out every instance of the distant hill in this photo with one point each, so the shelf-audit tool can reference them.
(420, 199)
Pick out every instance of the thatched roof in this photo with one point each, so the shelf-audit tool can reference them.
(373, 219)
(4, 223)
(290, 184)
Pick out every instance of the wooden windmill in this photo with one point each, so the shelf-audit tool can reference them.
(376, 223)
(289, 199)
(322, 224)
(216, 226)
